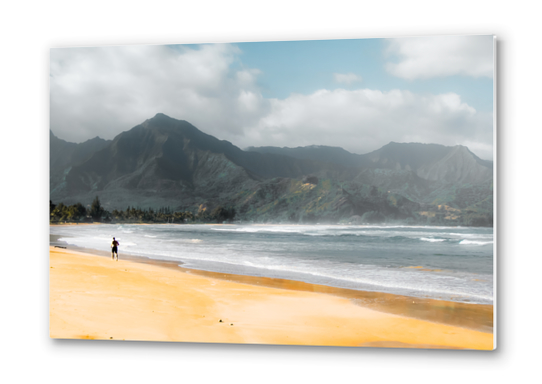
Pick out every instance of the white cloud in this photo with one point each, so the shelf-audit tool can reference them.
(436, 56)
(346, 78)
(104, 91)
(364, 120)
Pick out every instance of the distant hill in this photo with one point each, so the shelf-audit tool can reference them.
(432, 162)
(64, 155)
(334, 155)
(428, 161)
(169, 162)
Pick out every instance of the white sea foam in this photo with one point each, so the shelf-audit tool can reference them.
(472, 242)
(377, 279)
(431, 240)
(126, 243)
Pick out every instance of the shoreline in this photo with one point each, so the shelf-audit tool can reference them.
(81, 308)
(474, 316)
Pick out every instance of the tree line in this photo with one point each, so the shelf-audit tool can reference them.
(75, 213)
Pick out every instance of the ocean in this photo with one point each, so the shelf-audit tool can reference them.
(449, 263)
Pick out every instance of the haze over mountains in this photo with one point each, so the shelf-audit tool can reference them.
(169, 162)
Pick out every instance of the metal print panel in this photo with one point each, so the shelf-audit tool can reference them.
(335, 193)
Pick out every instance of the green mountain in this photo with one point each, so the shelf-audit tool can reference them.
(169, 162)
(64, 155)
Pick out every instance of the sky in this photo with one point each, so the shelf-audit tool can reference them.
(358, 94)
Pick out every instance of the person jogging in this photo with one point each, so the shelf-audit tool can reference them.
(114, 249)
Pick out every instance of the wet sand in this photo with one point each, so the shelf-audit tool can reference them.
(141, 299)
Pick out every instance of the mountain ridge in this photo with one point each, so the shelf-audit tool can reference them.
(417, 157)
(164, 161)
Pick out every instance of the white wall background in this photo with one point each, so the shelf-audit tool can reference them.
(29, 29)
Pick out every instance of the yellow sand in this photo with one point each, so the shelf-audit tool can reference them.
(92, 297)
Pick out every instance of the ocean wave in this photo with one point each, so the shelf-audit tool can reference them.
(372, 279)
(374, 231)
(470, 235)
(431, 240)
(323, 232)
(126, 243)
(472, 242)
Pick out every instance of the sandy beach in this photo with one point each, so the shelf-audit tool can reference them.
(92, 297)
